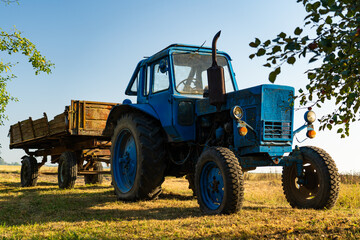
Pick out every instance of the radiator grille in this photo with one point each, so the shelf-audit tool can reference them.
(277, 130)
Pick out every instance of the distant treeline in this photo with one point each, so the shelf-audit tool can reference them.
(2, 162)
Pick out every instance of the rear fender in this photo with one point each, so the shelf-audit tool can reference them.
(119, 110)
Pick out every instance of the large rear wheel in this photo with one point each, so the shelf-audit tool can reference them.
(137, 158)
(219, 181)
(321, 187)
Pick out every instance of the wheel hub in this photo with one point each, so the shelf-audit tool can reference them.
(125, 153)
(214, 185)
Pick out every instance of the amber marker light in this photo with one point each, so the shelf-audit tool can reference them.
(311, 134)
(242, 131)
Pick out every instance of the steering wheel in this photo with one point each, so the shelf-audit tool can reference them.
(187, 85)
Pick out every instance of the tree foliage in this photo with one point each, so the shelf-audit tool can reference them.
(330, 38)
(15, 43)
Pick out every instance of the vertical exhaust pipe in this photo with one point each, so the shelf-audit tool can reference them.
(216, 79)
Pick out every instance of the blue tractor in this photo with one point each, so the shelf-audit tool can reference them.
(191, 119)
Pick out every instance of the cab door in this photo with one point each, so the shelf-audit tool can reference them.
(160, 97)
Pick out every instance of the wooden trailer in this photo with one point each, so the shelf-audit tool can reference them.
(74, 139)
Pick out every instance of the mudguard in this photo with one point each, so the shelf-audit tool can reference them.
(121, 109)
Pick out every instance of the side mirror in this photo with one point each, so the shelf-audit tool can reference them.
(163, 66)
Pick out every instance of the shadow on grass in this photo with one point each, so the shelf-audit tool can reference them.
(85, 203)
(174, 196)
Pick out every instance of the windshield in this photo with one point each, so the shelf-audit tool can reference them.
(191, 75)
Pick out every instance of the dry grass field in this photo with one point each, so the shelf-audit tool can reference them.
(92, 212)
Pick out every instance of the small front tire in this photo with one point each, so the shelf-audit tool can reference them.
(219, 181)
(321, 188)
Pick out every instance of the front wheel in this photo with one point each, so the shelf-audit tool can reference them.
(321, 187)
(219, 181)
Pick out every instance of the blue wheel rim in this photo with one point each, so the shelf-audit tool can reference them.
(124, 161)
(211, 186)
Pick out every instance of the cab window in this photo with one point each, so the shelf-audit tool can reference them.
(135, 85)
(161, 79)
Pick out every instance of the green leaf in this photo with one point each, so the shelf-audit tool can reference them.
(267, 65)
(276, 49)
(260, 52)
(278, 70)
(291, 60)
(282, 35)
(272, 77)
(323, 11)
(257, 41)
(311, 76)
(267, 43)
(298, 31)
(253, 45)
(340, 130)
(252, 56)
(328, 20)
(316, 5)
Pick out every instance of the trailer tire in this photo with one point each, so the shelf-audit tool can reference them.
(219, 181)
(95, 178)
(29, 172)
(137, 158)
(321, 189)
(67, 170)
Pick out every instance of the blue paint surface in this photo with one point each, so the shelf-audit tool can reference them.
(124, 161)
(268, 109)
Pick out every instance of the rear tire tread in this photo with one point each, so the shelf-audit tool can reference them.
(152, 150)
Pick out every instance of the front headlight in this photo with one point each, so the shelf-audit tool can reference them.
(237, 112)
(310, 116)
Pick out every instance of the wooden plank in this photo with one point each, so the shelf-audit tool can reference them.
(58, 124)
(16, 133)
(95, 125)
(97, 114)
(40, 127)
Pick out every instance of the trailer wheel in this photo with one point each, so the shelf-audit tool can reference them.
(95, 178)
(321, 188)
(137, 158)
(29, 172)
(219, 181)
(67, 170)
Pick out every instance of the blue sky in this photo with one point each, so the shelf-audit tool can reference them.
(96, 45)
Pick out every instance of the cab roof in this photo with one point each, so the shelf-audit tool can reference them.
(181, 47)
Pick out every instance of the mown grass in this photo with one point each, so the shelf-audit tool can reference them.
(92, 212)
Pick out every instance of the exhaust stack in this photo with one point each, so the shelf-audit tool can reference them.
(216, 79)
